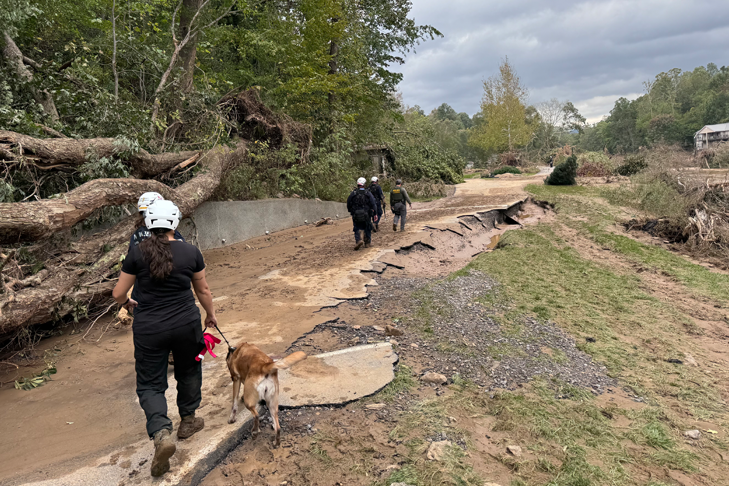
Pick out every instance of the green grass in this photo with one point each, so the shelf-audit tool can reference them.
(403, 382)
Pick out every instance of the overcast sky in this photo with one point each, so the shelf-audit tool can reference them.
(587, 52)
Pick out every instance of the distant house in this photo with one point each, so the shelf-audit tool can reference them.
(711, 133)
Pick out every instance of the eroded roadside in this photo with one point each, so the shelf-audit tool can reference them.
(570, 355)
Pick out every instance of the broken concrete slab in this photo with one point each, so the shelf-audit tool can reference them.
(338, 377)
(325, 379)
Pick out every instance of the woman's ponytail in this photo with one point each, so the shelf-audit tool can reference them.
(157, 254)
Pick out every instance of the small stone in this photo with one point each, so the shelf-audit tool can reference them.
(435, 378)
(394, 342)
(437, 450)
(375, 406)
(393, 331)
(491, 484)
(356, 327)
(514, 450)
(393, 467)
(378, 328)
(413, 345)
(693, 434)
(398, 484)
(690, 360)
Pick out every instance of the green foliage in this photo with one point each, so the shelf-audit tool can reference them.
(503, 108)
(507, 169)
(632, 165)
(39, 379)
(564, 174)
(675, 105)
(418, 155)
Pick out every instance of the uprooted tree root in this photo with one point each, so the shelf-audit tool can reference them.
(704, 231)
(256, 121)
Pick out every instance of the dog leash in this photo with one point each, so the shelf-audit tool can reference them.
(223, 336)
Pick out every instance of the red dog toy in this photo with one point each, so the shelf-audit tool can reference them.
(210, 342)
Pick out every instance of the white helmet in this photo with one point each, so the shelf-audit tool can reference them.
(162, 214)
(375, 179)
(361, 181)
(146, 199)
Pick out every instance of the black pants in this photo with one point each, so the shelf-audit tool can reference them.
(365, 226)
(151, 352)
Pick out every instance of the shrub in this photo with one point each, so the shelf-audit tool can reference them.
(507, 169)
(632, 165)
(564, 174)
(593, 169)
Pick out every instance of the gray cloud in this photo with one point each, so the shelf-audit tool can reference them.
(590, 52)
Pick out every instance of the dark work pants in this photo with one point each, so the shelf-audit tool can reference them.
(379, 213)
(401, 218)
(366, 227)
(151, 352)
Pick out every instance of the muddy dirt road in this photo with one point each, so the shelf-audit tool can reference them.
(270, 291)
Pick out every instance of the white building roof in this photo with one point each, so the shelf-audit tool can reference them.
(721, 127)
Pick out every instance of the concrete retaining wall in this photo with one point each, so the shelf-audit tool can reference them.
(217, 224)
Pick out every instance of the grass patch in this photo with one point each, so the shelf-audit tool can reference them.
(403, 382)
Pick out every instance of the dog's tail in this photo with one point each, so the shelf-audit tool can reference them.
(286, 362)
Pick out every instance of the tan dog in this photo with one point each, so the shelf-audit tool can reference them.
(259, 374)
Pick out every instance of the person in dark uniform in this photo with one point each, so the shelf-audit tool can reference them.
(379, 196)
(166, 319)
(398, 198)
(361, 205)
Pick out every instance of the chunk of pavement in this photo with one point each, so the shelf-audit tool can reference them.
(437, 450)
(436, 378)
(375, 406)
(690, 360)
(392, 331)
(693, 434)
(514, 450)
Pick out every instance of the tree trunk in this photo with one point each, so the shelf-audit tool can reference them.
(14, 59)
(188, 53)
(71, 281)
(69, 152)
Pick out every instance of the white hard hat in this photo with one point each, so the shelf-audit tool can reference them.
(146, 199)
(162, 214)
(375, 179)
(361, 181)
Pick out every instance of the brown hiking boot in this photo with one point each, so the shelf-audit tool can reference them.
(189, 426)
(359, 245)
(164, 448)
(394, 227)
(367, 245)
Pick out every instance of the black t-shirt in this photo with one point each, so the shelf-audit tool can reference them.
(165, 304)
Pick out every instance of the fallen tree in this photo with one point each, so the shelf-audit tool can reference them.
(83, 269)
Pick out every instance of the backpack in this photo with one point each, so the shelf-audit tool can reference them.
(373, 190)
(359, 203)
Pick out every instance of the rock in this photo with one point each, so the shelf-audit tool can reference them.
(413, 345)
(514, 450)
(394, 342)
(437, 450)
(399, 484)
(693, 434)
(491, 484)
(435, 378)
(690, 360)
(375, 406)
(393, 331)
(378, 328)
(393, 467)
(356, 327)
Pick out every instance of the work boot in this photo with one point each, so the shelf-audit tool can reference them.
(377, 227)
(367, 243)
(359, 245)
(189, 426)
(164, 448)
(394, 227)
(374, 228)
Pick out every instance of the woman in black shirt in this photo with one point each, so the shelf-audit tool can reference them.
(166, 319)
